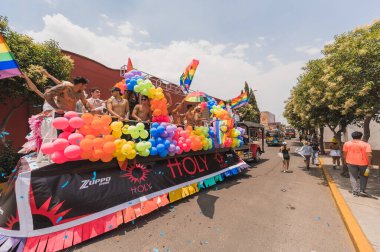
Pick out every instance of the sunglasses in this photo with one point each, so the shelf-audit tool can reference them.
(144, 99)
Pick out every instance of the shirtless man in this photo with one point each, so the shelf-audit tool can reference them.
(189, 115)
(67, 95)
(142, 112)
(177, 116)
(198, 116)
(117, 106)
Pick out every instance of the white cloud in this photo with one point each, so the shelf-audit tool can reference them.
(222, 70)
(309, 50)
(103, 16)
(51, 2)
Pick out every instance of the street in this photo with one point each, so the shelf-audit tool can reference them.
(261, 210)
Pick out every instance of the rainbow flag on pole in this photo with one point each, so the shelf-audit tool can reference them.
(239, 101)
(8, 64)
(187, 77)
(222, 105)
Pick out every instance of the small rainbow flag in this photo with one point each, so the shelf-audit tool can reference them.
(239, 101)
(187, 77)
(8, 65)
(222, 105)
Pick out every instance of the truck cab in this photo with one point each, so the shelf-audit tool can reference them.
(253, 139)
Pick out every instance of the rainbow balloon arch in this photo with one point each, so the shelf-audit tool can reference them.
(98, 173)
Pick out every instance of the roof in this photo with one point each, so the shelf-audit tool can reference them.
(251, 124)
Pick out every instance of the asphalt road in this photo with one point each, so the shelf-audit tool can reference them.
(261, 210)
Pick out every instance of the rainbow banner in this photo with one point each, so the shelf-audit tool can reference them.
(239, 101)
(187, 77)
(8, 65)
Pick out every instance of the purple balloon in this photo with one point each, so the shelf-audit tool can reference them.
(171, 148)
(164, 134)
(138, 73)
(164, 125)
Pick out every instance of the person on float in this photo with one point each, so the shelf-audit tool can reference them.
(142, 112)
(177, 116)
(64, 96)
(189, 115)
(117, 106)
(96, 102)
(198, 119)
(133, 100)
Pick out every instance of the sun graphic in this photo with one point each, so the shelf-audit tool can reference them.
(219, 158)
(12, 221)
(136, 173)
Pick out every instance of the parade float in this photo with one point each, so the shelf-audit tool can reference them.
(98, 173)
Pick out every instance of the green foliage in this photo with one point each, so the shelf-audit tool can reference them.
(31, 57)
(8, 159)
(250, 112)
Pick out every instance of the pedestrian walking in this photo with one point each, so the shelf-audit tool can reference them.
(284, 150)
(316, 150)
(306, 151)
(335, 153)
(358, 156)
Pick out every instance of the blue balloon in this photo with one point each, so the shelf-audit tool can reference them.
(153, 132)
(127, 81)
(153, 151)
(160, 148)
(163, 154)
(153, 142)
(133, 82)
(160, 129)
(159, 140)
(155, 125)
(164, 134)
(167, 144)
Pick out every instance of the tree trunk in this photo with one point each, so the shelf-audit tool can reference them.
(321, 143)
(367, 131)
(5, 121)
(338, 135)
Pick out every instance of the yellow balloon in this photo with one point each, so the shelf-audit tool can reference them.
(121, 158)
(116, 134)
(116, 126)
(124, 130)
(131, 155)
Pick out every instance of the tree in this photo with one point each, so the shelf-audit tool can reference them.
(32, 57)
(250, 112)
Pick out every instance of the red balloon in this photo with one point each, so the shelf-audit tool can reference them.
(60, 144)
(60, 123)
(58, 157)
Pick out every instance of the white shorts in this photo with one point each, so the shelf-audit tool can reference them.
(335, 153)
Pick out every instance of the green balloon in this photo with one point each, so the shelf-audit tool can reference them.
(137, 88)
(144, 134)
(140, 126)
(148, 145)
(140, 146)
(135, 135)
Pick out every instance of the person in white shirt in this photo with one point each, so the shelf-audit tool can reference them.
(98, 104)
(306, 151)
(236, 116)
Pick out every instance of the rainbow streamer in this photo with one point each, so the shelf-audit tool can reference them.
(239, 101)
(8, 65)
(187, 77)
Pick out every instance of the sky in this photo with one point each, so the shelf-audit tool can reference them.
(265, 43)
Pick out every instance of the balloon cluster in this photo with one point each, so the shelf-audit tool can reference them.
(211, 103)
(200, 139)
(97, 148)
(162, 140)
(124, 150)
(95, 125)
(132, 78)
(218, 112)
(138, 131)
(66, 146)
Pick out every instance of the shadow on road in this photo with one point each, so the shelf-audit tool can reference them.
(205, 201)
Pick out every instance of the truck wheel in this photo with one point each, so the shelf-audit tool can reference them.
(258, 156)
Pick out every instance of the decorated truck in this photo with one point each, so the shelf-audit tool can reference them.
(99, 173)
(253, 141)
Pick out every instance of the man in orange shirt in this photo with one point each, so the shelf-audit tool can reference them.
(358, 156)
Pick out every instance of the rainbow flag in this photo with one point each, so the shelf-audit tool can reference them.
(8, 64)
(187, 77)
(222, 105)
(239, 101)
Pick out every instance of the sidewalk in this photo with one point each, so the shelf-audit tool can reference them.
(366, 210)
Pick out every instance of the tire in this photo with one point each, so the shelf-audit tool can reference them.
(258, 156)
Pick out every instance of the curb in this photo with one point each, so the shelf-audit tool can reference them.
(359, 239)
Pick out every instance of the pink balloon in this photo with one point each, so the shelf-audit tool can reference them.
(76, 122)
(75, 138)
(58, 157)
(69, 129)
(72, 151)
(64, 135)
(47, 148)
(70, 114)
(60, 144)
(60, 123)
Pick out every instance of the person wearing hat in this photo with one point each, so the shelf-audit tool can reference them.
(335, 153)
(117, 106)
(284, 150)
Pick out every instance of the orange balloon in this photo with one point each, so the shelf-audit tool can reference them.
(86, 154)
(97, 124)
(86, 144)
(157, 112)
(109, 147)
(87, 118)
(85, 130)
(108, 138)
(106, 119)
(97, 153)
(106, 130)
(106, 158)
(93, 159)
(98, 143)
(92, 137)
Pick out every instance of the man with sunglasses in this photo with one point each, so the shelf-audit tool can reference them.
(141, 112)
